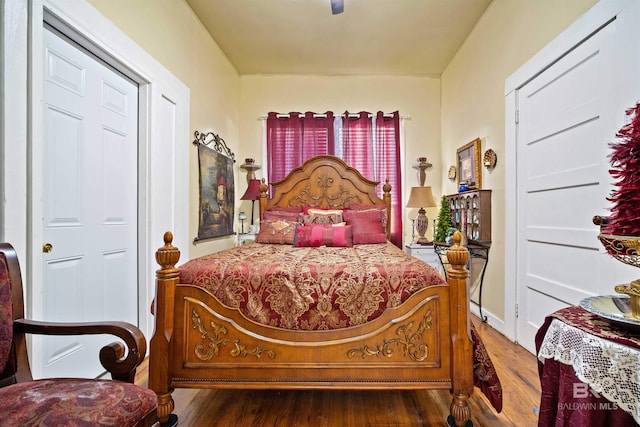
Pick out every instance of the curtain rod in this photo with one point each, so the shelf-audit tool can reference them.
(264, 117)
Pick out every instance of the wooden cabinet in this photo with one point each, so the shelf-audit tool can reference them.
(471, 214)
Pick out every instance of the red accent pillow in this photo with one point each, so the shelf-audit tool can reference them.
(305, 208)
(314, 235)
(366, 207)
(279, 232)
(284, 215)
(367, 226)
(296, 209)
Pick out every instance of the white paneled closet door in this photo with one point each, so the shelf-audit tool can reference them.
(90, 194)
(567, 116)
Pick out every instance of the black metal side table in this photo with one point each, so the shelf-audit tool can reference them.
(477, 250)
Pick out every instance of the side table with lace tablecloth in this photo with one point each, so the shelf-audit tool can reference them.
(589, 371)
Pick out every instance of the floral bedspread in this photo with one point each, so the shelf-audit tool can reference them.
(323, 288)
(310, 288)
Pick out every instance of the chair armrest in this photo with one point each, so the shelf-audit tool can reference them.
(122, 367)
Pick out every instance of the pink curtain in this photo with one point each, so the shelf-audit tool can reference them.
(388, 166)
(357, 143)
(294, 138)
(377, 161)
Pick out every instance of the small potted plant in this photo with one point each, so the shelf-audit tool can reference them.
(444, 227)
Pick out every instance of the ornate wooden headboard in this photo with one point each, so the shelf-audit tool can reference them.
(327, 182)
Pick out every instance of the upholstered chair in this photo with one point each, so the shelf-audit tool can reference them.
(66, 401)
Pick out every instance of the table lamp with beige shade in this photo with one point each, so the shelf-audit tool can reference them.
(421, 197)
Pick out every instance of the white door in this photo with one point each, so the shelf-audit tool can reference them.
(89, 202)
(567, 117)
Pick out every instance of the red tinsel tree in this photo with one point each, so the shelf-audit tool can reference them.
(625, 169)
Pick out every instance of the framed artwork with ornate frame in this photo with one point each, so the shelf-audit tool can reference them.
(469, 170)
(217, 189)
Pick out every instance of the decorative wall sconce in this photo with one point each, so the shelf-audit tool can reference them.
(489, 159)
(452, 173)
(421, 166)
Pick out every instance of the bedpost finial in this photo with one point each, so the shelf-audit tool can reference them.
(457, 238)
(386, 187)
(457, 255)
(168, 238)
(263, 187)
(168, 255)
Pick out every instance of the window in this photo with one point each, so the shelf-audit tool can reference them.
(367, 142)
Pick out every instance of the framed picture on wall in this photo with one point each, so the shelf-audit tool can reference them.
(469, 170)
(217, 189)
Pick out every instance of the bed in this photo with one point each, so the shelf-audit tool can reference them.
(321, 312)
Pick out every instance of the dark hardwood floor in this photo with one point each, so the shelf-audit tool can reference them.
(516, 368)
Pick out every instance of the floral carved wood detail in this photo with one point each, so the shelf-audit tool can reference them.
(205, 351)
(408, 341)
(341, 198)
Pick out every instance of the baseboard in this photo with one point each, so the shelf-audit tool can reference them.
(492, 320)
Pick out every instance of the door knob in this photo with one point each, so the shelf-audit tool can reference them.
(47, 247)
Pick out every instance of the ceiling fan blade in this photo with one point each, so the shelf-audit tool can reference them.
(337, 6)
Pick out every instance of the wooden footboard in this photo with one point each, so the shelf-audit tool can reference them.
(422, 344)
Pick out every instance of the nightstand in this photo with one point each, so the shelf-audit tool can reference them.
(424, 253)
(246, 238)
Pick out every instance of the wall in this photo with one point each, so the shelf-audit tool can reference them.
(417, 97)
(473, 101)
(170, 32)
(467, 102)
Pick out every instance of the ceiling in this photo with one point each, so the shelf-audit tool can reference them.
(371, 37)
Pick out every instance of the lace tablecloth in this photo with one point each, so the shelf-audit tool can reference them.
(602, 356)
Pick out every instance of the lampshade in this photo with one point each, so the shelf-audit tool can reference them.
(252, 193)
(421, 197)
(253, 190)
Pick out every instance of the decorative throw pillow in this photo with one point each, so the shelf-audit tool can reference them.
(284, 215)
(295, 209)
(367, 226)
(279, 232)
(322, 216)
(366, 207)
(306, 209)
(315, 235)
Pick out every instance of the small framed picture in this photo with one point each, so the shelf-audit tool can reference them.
(469, 171)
